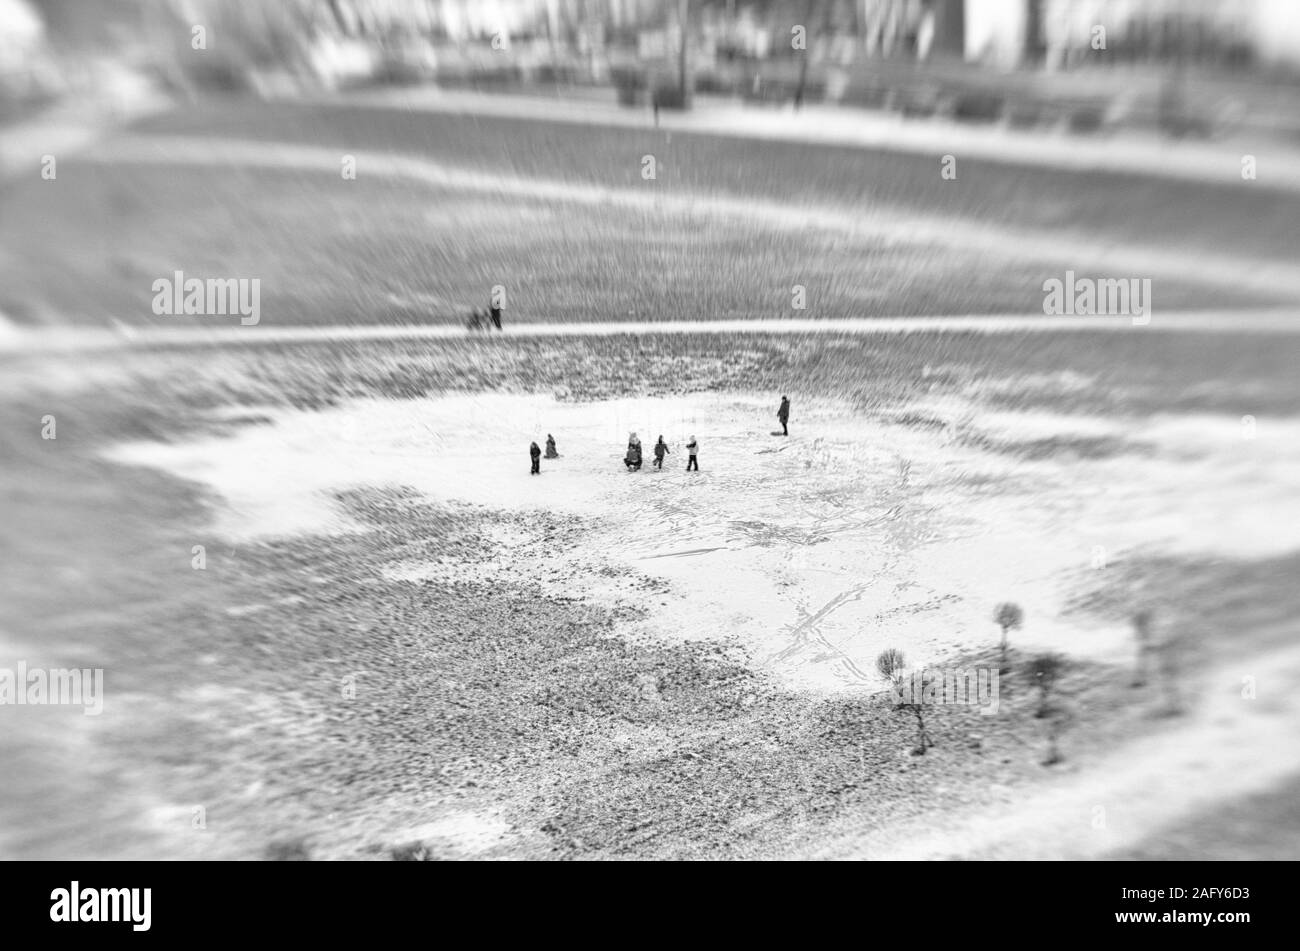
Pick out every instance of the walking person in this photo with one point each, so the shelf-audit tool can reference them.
(536, 452)
(550, 447)
(661, 449)
(692, 462)
(783, 414)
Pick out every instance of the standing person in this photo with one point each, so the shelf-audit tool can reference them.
(536, 452)
(692, 462)
(783, 414)
(550, 447)
(495, 313)
(661, 449)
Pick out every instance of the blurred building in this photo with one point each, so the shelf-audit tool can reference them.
(26, 73)
(1059, 33)
(22, 35)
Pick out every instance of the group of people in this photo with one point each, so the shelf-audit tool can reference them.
(633, 457)
(536, 452)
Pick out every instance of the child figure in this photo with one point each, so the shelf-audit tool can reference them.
(661, 449)
(692, 462)
(550, 447)
(633, 458)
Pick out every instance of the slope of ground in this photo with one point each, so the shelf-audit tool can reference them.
(491, 716)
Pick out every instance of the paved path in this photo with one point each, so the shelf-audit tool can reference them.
(1277, 165)
(17, 341)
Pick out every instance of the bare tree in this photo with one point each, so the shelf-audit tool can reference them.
(1169, 660)
(891, 664)
(1045, 670)
(917, 706)
(1057, 723)
(1142, 634)
(1009, 617)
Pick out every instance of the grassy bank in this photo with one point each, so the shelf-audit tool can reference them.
(1143, 209)
(87, 247)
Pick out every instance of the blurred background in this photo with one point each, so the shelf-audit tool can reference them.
(1190, 67)
(1156, 108)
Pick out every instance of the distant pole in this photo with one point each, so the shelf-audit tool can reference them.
(809, 12)
(553, 29)
(683, 16)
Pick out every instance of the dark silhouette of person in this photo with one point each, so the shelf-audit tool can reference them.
(536, 452)
(633, 458)
(550, 447)
(661, 448)
(692, 460)
(783, 414)
(495, 313)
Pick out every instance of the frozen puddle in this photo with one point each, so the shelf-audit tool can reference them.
(857, 533)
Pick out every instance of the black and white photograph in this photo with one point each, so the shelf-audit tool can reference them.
(650, 431)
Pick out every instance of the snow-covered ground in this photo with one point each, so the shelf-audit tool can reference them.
(856, 533)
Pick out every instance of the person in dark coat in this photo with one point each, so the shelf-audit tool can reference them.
(495, 313)
(550, 447)
(633, 458)
(661, 449)
(536, 452)
(783, 414)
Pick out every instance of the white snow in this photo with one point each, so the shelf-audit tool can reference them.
(817, 551)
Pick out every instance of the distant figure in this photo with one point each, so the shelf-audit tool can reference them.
(661, 449)
(495, 313)
(783, 414)
(550, 447)
(803, 80)
(633, 458)
(536, 452)
(692, 461)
